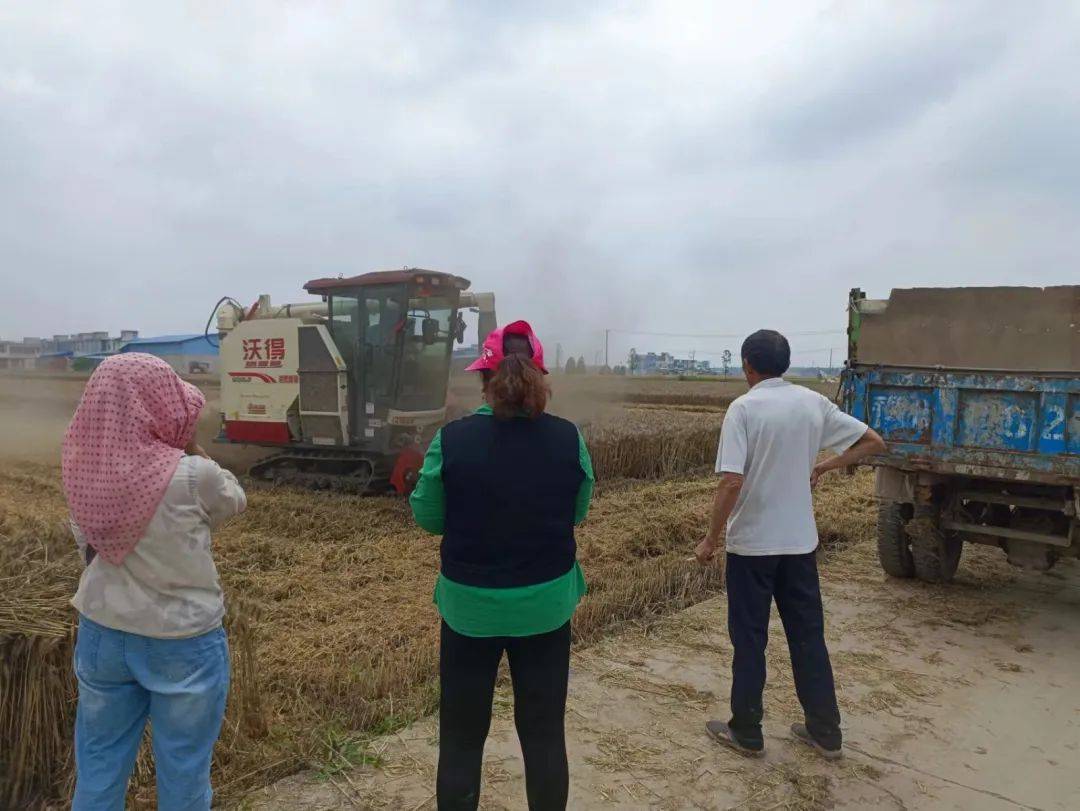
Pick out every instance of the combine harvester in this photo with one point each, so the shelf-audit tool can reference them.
(977, 392)
(350, 389)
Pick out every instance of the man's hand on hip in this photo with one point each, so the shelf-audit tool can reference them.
(869, 443)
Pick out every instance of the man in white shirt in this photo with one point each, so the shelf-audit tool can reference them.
(768, 464)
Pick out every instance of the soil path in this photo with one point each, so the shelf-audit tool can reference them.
(953, 697)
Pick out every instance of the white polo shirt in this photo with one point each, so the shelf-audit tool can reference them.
(772, 435)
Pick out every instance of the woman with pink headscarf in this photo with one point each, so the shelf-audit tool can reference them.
(143, 498)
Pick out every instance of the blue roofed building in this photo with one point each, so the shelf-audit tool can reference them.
(187, 354)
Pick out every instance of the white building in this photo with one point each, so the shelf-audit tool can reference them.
(20, 354)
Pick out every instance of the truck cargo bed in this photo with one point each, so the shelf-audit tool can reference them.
(1018, 328)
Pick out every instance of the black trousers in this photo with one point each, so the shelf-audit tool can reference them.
(539, 669)
(792, 580)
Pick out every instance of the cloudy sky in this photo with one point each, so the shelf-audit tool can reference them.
(663, 167)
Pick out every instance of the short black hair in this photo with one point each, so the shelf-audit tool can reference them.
(767, 352)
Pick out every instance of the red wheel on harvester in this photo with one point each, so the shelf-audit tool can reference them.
(406, 471)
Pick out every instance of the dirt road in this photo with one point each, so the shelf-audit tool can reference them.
(954, 697)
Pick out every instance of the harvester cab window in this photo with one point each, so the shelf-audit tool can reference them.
(422, 325)
(429, 331)
(343, 327)
(381, 330)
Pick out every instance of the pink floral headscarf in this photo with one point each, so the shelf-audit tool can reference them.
(123, 445)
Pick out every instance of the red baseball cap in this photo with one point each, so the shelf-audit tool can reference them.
(492, 353)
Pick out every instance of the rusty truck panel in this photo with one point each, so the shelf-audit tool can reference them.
(1008, 426)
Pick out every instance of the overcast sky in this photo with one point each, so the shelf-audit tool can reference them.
(671, 167)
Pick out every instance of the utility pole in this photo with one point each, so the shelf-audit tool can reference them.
(558, 357)
(607, 335)
(830, 360)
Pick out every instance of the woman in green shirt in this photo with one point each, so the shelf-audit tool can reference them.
(505, 487)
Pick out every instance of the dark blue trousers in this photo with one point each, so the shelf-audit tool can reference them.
(753, 582)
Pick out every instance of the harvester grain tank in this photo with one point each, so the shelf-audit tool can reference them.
(350, 389)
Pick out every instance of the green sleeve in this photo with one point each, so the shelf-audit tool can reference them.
(585, 491)
(428, 499)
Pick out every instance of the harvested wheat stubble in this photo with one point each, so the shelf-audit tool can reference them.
(36, 697)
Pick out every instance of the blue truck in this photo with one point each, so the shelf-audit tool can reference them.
(977, 393)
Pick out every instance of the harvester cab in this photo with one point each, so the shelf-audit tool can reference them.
(351, 388)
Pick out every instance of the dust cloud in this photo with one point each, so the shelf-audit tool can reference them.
(34, 412)
(582, 400)
(35, 409)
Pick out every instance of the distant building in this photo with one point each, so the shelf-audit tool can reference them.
(187, 354)
(649, 363)
(664, 363)
(79, 351)
(89, 343)
(61, 351)
(20, 354)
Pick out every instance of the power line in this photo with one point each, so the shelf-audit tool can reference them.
(819, 349)
(720, 335)
(794, 351)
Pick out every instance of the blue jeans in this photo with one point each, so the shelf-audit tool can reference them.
(124, 679)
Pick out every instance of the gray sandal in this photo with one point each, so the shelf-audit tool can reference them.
(722, 733)
(803, 734)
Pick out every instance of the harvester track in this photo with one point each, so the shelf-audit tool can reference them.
(325, 470)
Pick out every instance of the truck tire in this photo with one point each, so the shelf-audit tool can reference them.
(936, 553)
(893, 543)
(1033, 555)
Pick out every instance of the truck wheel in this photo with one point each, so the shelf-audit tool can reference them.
(893, 543)
(935, 553)
(1031, 554)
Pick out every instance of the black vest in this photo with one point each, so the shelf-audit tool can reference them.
(511, 489)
